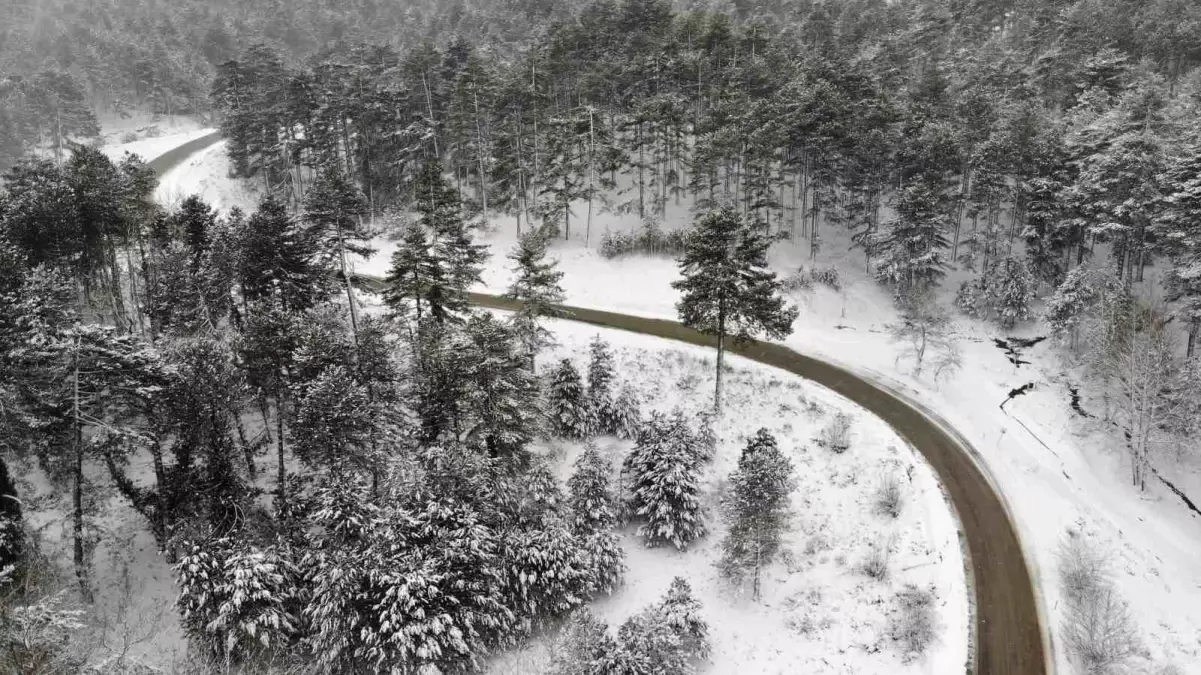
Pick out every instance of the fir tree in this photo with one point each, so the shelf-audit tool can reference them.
(567, 403)
(666, 638)
(584, 647)
(600, 386)
(332, 419)
(501, 394)
(414, 275)
(334, 210)
(665, 485)
(195, 221)
(536, 287)
(12, 535)
(757, 507)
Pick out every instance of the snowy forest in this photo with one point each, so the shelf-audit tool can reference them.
(348, 427)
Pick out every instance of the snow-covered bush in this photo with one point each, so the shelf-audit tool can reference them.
(1097, 626)
(567, 404)
(889, 501)
(827, 276)
(1003, 292)
(875, 564)
(836, 435)
(972, 298)
(236, 600)
(35, 634)
(757, 507)
(606, 562)
(627, 414)
(649, 240)
(912, 624)
(664, 474)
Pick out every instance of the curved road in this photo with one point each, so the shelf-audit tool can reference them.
(1008, 636)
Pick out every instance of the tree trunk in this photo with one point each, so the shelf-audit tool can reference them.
(281, 488)
(81, 564)
(721, 352)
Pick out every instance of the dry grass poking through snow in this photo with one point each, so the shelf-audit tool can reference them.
(820, 613)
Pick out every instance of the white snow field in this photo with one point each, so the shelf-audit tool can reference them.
(148, 136)
(819, 612)
(207, 174)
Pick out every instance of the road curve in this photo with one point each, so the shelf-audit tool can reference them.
(1008, 636)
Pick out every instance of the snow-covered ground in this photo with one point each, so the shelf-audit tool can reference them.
(148, 136)
(207, 174)
(820, 613)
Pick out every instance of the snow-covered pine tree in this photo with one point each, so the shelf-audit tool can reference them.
(414, 274)
(536, 287)
(667, 638)
(911, 253)
(584, 647)
(334, 210)
(600, 386)
(548, 572)
(237, 600)
(594, 515)
(279, 261)
(332, 420)
(757, 507)
(590, 493)
(1179, 229)
(1068, 307)
(1011, 289)
(665, 485)
(498, 392)
(627, 414)
(567, 404)
(727, 288)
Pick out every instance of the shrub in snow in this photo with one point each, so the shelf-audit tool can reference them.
(827, 276)
(650, 240)
(566, 402)
(1097, 626)
(236, 601)
(972, 298)
(875, 565)
(600, 386)
(35, 634)
(912, 624)
(836, 435)
(758, 509)
(627, 415)
(664, 474)
(889, 500)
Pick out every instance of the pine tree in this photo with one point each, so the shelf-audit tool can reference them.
(279, 261)
(501, 394)
(666, 638)
(627, 414)
(1179, 228)
(727, 288)
(665, 485)
(434, 268)
(911, 255)
(195, 221)
(332, 420)
(567, 403)
(536, 287)
(593, 504)
(600, 386)
(584, 647)
(757, 507)
(333, 211)
(1012, 289)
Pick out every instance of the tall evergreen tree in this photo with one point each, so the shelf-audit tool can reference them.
(665, 485)
(334, 211)
(279, 260)
(727, 288)
(567, 403)
(536, 287)
(910, 255)
(600, 386)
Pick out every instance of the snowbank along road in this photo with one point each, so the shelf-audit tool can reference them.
(1008, 635)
